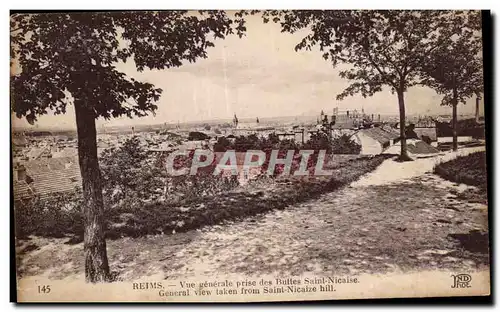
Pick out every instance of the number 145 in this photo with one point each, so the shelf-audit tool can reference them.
(44, 289)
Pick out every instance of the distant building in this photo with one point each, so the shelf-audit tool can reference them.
(375, 140)
(346, 119)
(235, 121)
(37, 153)
(19, 141)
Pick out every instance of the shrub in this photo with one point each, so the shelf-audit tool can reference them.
(343, 144)
(223, 144)
(53, 216)
(319, 141)
(197, 136)
(130, 176)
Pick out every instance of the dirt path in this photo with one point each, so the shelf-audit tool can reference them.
(378, 224)
(403, 226)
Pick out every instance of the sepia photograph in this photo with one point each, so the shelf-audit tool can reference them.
(249, 155)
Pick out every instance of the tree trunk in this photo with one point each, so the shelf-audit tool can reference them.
(454, 120)
(96, 259)
(402, 126)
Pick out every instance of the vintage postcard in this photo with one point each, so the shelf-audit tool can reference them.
(249, 156)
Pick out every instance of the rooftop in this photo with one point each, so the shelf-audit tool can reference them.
(47, 176)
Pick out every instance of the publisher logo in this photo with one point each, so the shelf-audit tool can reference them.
(461, 281)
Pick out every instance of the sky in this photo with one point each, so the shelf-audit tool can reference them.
(260, 75)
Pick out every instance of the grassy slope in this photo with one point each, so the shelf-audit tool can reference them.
(163, 218)
(469, 169)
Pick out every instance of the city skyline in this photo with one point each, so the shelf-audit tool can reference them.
(259, 75)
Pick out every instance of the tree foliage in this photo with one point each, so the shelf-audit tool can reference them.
(65, 56)
(380, 47)
(457, 63)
